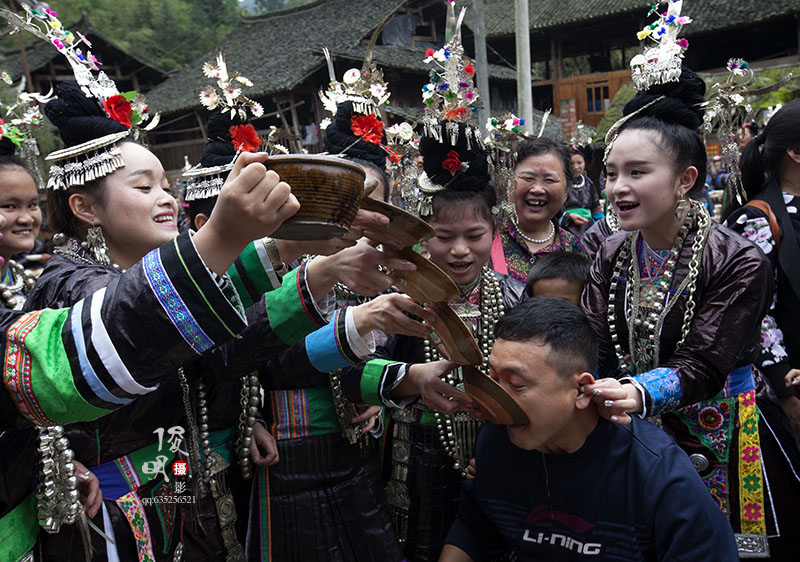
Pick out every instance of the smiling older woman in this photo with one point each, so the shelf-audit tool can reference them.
(530, 229)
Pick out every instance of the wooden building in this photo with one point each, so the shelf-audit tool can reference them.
(42, 66)
(281, 53)
(582, 48)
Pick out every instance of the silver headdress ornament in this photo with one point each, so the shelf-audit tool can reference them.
(18, 124)
(403, 142)
(206, 182)
(203, 183)
(450, 96)
(504, 135)
(366, 88)
(726, 109)
(583, 135)
(659, 64)
(86, 161)
(230, 98)
(662, 62)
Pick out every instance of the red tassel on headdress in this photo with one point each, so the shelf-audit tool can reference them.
(245, 137)
(368, 127)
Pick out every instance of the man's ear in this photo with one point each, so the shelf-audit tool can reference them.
(199, 220)
(82, 206)
(582, 399)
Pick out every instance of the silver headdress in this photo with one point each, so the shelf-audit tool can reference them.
(450, 96)
(366, 88)
(203, 183)
(230, 96)
(99, 157)
(727, 108)
(662, 62)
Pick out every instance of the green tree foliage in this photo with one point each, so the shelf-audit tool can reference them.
(167, 33)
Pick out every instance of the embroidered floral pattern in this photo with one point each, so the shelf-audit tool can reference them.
(752, 511)
(772, 341)
(18, 370)
(757, 230)
(751, 492)
(750, 454)
(710, 421)
(519, 258)
(751, 483)
(132, 507)
(664, 387)
(717, 484)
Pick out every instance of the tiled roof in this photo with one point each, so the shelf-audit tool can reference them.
(278, 50)
(407, 58)
(709, 15)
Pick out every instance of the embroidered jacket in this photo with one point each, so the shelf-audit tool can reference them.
(732, 297)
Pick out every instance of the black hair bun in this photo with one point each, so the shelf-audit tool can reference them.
(7, 148)
(435, 153)
(339, 138)
(219, 149)
(79, 118)
(682, 104)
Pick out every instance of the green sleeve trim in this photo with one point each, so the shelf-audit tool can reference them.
(371, 378)
(288, 313)
(18, 530)
(51, 378)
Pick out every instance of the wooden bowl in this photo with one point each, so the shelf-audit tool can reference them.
(453, 338)
(329, 190)
(428, 283)
(493, 399)
(404, 229)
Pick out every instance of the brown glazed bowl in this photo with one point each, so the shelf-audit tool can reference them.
(404, 229)
(427, 283)
(493, 399)
(453, 338)
(329, 190)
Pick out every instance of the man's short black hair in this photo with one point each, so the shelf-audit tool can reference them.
(555, 322)
(198, 206)
(559, 265)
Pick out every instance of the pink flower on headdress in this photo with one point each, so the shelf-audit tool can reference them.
(469, 95)
(59, 45)
(682, 43)
(84, 39)
(50, 12)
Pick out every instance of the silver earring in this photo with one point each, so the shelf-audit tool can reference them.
(96, 244)
(680, 210)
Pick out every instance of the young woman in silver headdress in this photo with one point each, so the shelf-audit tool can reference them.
(677, 302)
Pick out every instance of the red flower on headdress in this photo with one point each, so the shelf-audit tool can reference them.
(244, 137)
(455, 113)
(393, 156)
(452, 163)
(368, 127)
(119, 109)
(469, 69)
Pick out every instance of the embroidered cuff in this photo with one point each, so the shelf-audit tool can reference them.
(663, 386)
(398, 402)
(328, 348)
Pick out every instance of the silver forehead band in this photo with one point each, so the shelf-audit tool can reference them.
(203, 183)
(86, 162)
